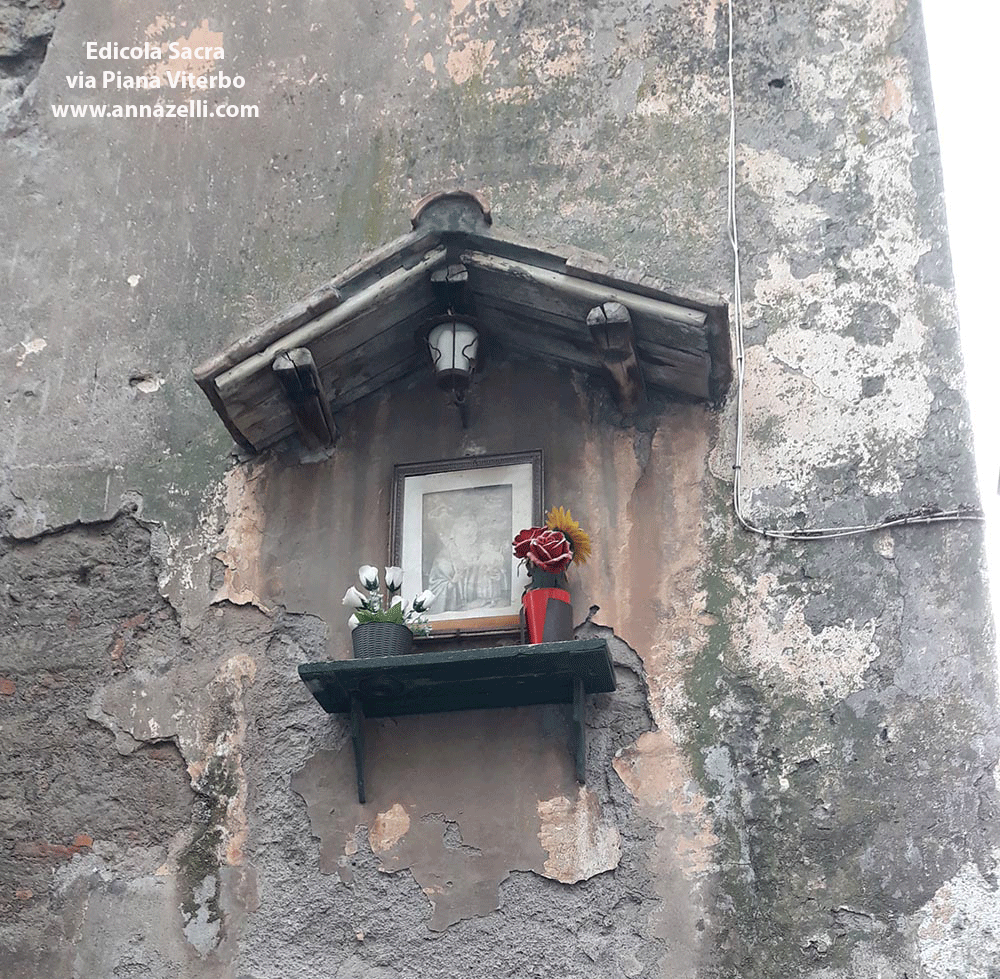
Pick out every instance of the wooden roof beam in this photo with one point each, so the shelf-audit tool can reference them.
(381, 293)
(299, 378)
(611, 327)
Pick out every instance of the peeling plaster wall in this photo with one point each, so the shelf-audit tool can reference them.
(797, 773)
(26, 27)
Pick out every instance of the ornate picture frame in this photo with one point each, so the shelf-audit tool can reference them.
(452, 523)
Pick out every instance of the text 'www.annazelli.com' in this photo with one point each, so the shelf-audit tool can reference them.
(191, 109)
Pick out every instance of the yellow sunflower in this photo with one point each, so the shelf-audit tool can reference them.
(561, 519)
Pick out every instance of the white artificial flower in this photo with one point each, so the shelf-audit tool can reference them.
(398, 600)
(393, 578)
(368, 576)
(353, 598)
(423, 600)
(353, 622)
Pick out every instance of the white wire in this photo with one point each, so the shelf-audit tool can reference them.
(927, 515)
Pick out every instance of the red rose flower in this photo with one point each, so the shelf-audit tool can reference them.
(524, 539)
(550, 550)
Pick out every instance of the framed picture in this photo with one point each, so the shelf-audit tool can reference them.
(451, 530)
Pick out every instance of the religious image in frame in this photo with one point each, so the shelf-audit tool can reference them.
(452, 526)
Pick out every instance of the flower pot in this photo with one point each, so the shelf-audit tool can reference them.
(549, 614)
(381, 639)
(545, 579)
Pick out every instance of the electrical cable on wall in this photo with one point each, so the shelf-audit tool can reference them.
(925, 515)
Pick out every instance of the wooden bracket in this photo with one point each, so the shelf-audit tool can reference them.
(299, 378)
(579, 731)
(358, 739)
(611, 328)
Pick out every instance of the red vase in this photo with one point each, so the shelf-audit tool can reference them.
(549, 614)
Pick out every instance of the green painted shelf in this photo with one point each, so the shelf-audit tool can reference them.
(463, 679)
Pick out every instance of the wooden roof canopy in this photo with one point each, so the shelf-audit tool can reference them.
(361, 330)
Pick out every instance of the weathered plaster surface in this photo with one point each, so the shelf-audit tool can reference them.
(26, 27)
(163, 30)
(796, 775)
(244, 527)
(159, 822)
(579, 839)
(815, 664)
(460, 833)
(958, 928)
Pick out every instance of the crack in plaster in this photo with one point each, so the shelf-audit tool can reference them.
(23, 527)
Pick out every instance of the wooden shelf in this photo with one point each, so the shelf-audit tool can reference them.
(463, 679)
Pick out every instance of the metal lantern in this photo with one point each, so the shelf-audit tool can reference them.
(452, 343)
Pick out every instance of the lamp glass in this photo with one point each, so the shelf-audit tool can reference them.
(453, 346)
